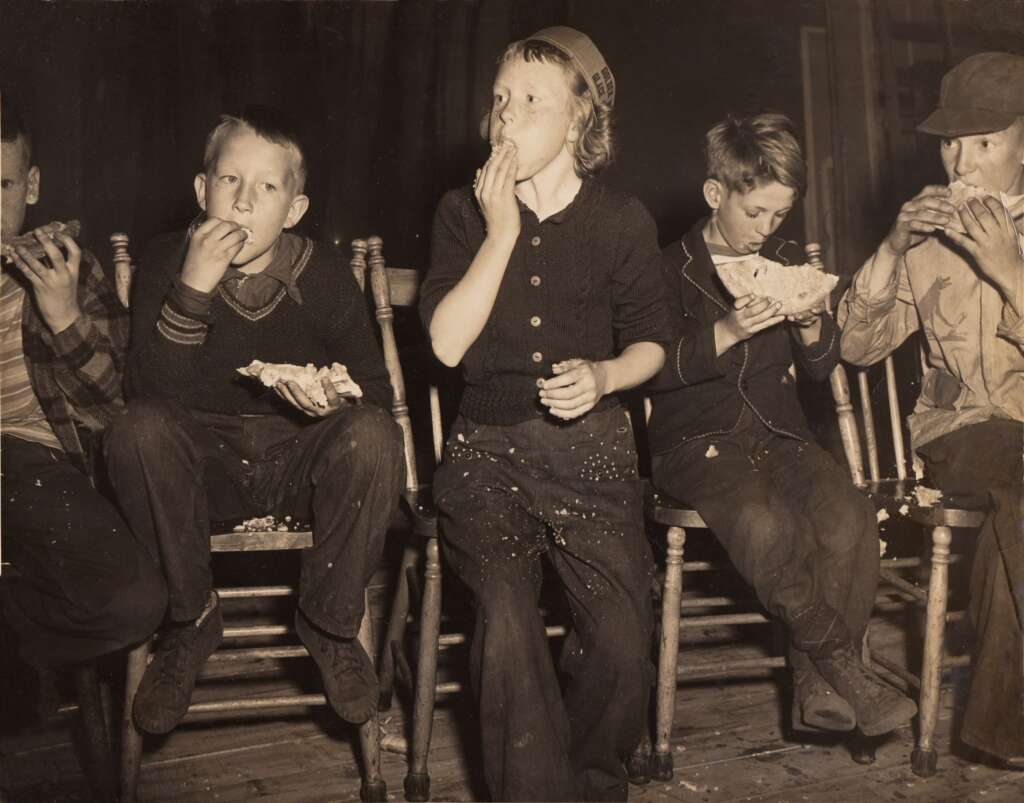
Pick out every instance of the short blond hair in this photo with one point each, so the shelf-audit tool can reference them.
(595, 148)
(265, 123)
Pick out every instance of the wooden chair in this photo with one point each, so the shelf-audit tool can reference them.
(93, 716)
(385, 293)
(680, 520)
(896, 494)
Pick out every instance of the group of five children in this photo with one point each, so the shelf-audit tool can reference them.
(549, 289)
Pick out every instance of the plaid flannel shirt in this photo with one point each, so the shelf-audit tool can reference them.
(76, 373)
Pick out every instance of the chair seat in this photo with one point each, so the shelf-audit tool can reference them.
(903, 498)
(663, 509)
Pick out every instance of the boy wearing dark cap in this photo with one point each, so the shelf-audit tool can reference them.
(544, 286)
(957, 272)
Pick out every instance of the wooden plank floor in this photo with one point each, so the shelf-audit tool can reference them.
(728, 745)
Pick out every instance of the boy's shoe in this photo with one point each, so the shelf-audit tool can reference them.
(166, 689)
(350, 682)
(879, 707)
(817, 705)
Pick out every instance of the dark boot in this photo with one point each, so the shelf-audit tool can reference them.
(350, 682)
(166, 689)
(817, 705)
(879, 708)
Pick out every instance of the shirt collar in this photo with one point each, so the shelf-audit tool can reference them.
(280, 268)
(572, 208)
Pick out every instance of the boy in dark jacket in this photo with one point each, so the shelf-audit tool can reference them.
(200, 442)
(728, 435)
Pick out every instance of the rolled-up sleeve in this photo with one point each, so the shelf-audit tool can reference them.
(874, 324)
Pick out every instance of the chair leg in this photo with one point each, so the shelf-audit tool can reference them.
(131, 737)
(373, 787)
(396, 627)
(924, 758)
(417, 780)
(668, 656)
(98, 757)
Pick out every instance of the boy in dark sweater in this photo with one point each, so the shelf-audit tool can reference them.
(728, 436)
(199, 442)
(544, 285)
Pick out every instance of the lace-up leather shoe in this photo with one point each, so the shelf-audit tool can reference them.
(166, 689)
(816, 705)
(350, 682)
(878, 706)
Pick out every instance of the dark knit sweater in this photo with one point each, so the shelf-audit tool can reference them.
(175, 355)
(698, 394)
(583, 283)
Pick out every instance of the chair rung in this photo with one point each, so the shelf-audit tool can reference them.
(256, 630)
(256, 591)
(454, 639)
(729, 667)
(901, 672)
(448, 688)
(723, 619)
(702, 566)
(712, 602)
(255, 653)
(257, 703)
(903, 585)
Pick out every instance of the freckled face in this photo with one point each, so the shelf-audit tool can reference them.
(19, 186)
(252, 183)
(744, 220)
(990, 161)
(532, 107)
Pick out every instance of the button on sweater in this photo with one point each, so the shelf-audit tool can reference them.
(583, 283)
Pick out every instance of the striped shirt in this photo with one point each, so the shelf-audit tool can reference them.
(20, 412)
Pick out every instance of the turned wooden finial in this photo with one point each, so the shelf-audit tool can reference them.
(122, 266)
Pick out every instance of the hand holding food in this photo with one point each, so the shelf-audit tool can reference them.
(577, 385)
(930, 210)
(315, 384)
(796, 288)
(495, 191)
(52, 276)
(72, 229)
(211, 248)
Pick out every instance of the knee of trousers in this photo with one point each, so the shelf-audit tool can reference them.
(765, 530)
(141, 428)
(371, 440)
(139, 606)
(853, 524)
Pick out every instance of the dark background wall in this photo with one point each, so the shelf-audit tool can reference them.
(389, 93)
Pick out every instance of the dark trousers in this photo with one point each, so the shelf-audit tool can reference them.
(84, 585)
(793, 524)
(987, 458)
(507, 495)
(175, 470)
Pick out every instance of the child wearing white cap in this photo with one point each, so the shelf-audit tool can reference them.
(544, 286)
(957, 272)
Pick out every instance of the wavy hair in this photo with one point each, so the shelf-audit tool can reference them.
(595, 147)
(743, 152)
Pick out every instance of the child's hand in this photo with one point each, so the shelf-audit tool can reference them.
(293, 394)
(993, 241)
(574, 389)
(495, 191)
(210, 251)
(54, 285)
(926, 212)
(809, 317)
(750, 315)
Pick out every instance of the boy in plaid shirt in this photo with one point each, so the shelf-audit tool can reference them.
(84, 587)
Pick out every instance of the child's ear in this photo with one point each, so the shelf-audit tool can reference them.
(714, 193)
(298, 207)
(32, 192)
(200, 186)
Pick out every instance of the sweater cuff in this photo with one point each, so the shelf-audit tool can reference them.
(191, 302)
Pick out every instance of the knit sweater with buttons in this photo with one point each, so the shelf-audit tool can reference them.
(177, 354)
(584, 283)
